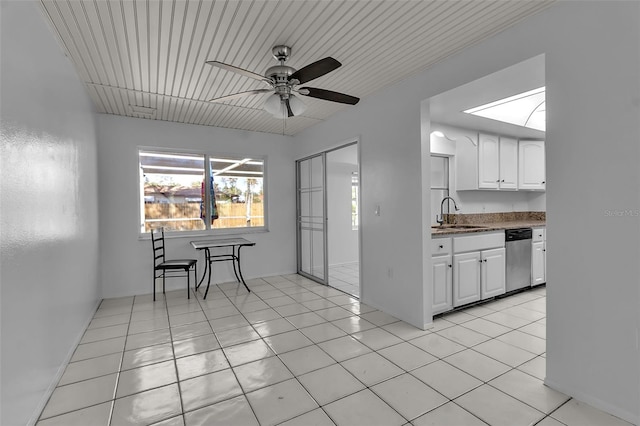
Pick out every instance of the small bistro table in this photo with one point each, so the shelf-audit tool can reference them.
(207, 245)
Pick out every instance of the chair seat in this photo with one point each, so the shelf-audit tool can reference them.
(164, 268)
(176, 264)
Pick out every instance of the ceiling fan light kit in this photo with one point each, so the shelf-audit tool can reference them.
(284, 81)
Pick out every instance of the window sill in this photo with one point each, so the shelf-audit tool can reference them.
(207, 233)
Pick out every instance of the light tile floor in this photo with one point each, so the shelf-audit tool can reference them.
(293, 352)
(346, 277)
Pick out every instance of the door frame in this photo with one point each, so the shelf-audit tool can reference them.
(323, 153)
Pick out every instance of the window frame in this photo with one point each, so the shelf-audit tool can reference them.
(207, 156)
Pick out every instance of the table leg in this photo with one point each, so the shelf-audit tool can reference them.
(204, 273)
(207, 254)
(236, 258)
(240, 270)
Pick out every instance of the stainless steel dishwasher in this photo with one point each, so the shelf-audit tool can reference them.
(518, 258)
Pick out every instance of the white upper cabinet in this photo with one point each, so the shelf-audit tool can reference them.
(492, 164)
(488, 162)
(508, 163)
(531, 166)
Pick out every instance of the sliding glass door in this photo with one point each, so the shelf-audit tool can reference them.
(311, 217)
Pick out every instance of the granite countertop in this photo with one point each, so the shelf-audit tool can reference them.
(480, 222)
(484, 227)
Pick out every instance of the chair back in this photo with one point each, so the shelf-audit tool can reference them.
(157, 242)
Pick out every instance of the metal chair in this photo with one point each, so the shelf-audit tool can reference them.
(163, 267)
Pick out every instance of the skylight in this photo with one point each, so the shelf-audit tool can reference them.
(525, 109)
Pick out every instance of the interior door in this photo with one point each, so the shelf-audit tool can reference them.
(311, 218)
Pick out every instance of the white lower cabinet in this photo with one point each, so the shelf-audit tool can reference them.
(493, 273)
(479, 267)
(441, 275)
(539, 257)
(442, 278)
(466, 278)
(478, 275)
(467, 269)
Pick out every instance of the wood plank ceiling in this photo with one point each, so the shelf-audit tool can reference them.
(152, 53)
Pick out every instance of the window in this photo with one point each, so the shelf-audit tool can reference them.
(439, 186)
(196, 192)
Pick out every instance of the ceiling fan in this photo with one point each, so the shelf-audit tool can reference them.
(284, 81)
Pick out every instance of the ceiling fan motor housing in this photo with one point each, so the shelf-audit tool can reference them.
(279, 74)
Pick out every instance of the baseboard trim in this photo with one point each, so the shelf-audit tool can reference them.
(56, 378)
(595, 402)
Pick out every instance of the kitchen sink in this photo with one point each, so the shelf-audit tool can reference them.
(457, 226)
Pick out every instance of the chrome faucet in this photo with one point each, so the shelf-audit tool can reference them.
(455, 206)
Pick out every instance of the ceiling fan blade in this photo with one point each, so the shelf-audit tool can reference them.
(315, 70)
(328, 95)
(239, 95)
(289, 110)
(240, 71)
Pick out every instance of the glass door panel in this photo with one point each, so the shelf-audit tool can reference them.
(311, 218)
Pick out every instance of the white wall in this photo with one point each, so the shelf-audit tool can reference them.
(49, 216)
(387, 126)
(593, 165)
(592, 65)
(126, 266)
(342, 238)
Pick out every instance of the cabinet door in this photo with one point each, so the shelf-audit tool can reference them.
(508, 163)
(488, 155)
(442, 279)
(493, 275)
(531, 165)
(538, 263)
(466, 278)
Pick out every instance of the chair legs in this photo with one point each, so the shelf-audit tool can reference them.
(187, 270)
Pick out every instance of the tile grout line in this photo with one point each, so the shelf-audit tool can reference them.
(326, 321)
(124, 348)
(175, 362)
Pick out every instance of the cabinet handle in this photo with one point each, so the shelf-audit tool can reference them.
(485, 261)
(440, 246)
(480, 260)
(498, 180)
(544, 181)
(502, 180)
(544, 249)
(450, 266)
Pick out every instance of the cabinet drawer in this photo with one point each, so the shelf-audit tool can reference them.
(538, 234)
(478, 242)
(440, 246)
